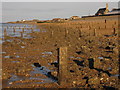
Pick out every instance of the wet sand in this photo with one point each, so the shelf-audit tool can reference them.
(93, 60)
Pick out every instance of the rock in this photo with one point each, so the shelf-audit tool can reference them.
(78, 83)
(116, 50)
(94, 80)
(97, 63)
(104, 75)
(55, 73)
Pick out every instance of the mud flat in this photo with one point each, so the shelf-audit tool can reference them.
(92, 56)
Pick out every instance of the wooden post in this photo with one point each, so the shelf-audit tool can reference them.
(80, 33)
(51, 33)
(94, 32)
(23, 30)
(21, 34)
(14, 30)
(114, 31)
(63, 71)
(81, 25)
(66, 32)
(105, 20)
(5, 32)
(89, 27)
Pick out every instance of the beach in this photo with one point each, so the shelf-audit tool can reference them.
(92, 55)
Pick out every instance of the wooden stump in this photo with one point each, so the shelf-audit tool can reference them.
(80, 33)
(51, 33)
(21, 33)
(66, 32)
(23, 30)
(63, 71)
(95, 32)
(14, 30)
(5, 32)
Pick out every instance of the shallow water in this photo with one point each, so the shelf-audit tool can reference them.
(36, 70)
(24, 28)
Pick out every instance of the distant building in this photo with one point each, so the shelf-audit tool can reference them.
(35, 20)
(23, 20)
(74, 17)
(102, 11)
(114, 11)
(56, 19)
(59, 20)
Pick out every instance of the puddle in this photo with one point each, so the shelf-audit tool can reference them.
(109, 68)
(36, 70)
(45, 71)
(47, 53)
(9, 40)
(22, 46)
(2, 52)
(14, 78)
(15, 61)
(72, 57)
(6, 56)
(116, 75)
(40, 70)
(17, 56)
(100, 58)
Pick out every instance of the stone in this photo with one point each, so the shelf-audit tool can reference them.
(94, 80)
(55, 73)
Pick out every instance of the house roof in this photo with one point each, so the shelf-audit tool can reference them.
(116, 9)
(101, 10)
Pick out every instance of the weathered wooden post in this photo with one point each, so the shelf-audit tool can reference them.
(63, 71)
(14, 30)
(94, 32)
(66, 32)
(5, 33)
(114, 31)
(105, 20)
(52, 33)
(105, 23)
(23, 30)
(21, 33)
(89, 27)
(81, 25)
(80, 33)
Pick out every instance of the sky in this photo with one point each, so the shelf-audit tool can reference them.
(14, 11)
